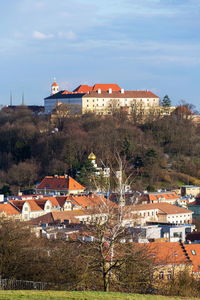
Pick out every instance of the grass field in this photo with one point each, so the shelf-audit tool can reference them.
(51, 295)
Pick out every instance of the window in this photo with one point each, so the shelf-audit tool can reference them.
(177, 234)
(161, 275)
(169, 275)
(193, 252)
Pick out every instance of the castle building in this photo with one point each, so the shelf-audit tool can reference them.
(102, 99)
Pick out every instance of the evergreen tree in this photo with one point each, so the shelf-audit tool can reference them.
(166, 102)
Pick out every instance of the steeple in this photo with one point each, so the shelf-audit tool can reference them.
(54, 87)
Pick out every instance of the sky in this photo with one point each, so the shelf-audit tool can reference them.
(138, 44)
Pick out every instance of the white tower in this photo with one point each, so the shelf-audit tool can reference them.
(54, 88)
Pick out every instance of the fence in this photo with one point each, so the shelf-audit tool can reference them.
(10, 284)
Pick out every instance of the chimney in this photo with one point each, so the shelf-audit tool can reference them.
(1, 198)
(99, 91)
(110, 91)
(122, 91)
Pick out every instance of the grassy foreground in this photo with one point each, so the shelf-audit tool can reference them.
(51, 295)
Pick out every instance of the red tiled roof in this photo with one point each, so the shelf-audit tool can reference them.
(103, 87)
(167, 196)
(193, 251)
(106, 87)
(118, 94)
(33, 205)
(56, 201)
(60, 183)
(90, 201)
(8, 209)
(59, 216)
(83, 88)
(54, 84)
(166, 253)
(65, 92)
(163, 206)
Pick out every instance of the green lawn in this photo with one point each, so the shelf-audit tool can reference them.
(51, 295)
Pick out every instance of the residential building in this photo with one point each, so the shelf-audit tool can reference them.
(162, 232)
(169, 260)
(37, 206)
(59, 185)
(158, 197)
(162, 213)
(190, 190)
(8, 211)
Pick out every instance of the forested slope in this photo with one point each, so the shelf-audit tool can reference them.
(162, 152)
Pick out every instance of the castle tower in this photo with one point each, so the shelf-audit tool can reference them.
(54, 88)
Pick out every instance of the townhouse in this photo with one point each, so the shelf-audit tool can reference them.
(161, 212)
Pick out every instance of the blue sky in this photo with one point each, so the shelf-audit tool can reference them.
(139, 44)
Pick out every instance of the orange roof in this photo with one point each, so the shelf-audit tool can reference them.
(54, 84)
(65, 92)
(60, 216)
(193, 251)
(90, 201)
(163, 206)
(166, 253)
(56, 201)
(106, 87)
(167, 196)
(64, 183)
(83, 88)
(33, 205)
(118, 94)
(103, 87)
(8, 209)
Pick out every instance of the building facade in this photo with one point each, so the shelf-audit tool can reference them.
(102, 99)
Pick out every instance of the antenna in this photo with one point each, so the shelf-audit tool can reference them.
(11, 99)
(22, 98)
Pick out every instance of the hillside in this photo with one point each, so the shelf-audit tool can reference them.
(163, 152)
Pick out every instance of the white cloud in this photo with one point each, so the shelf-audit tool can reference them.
(42, 36)
(69, 35)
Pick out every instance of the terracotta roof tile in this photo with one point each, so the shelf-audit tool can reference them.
(118, 94)
(60, 183)
(164, 207)
(8, 209)
(193, 251)
(166, 253)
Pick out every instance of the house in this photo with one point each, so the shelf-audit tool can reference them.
(101, 99)
(195, 207)
(162, 213)
(59, 185)
(187, 190)
(169, 260)
(162, 232)
(68, 217)
(158, 197)
(7, 210)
